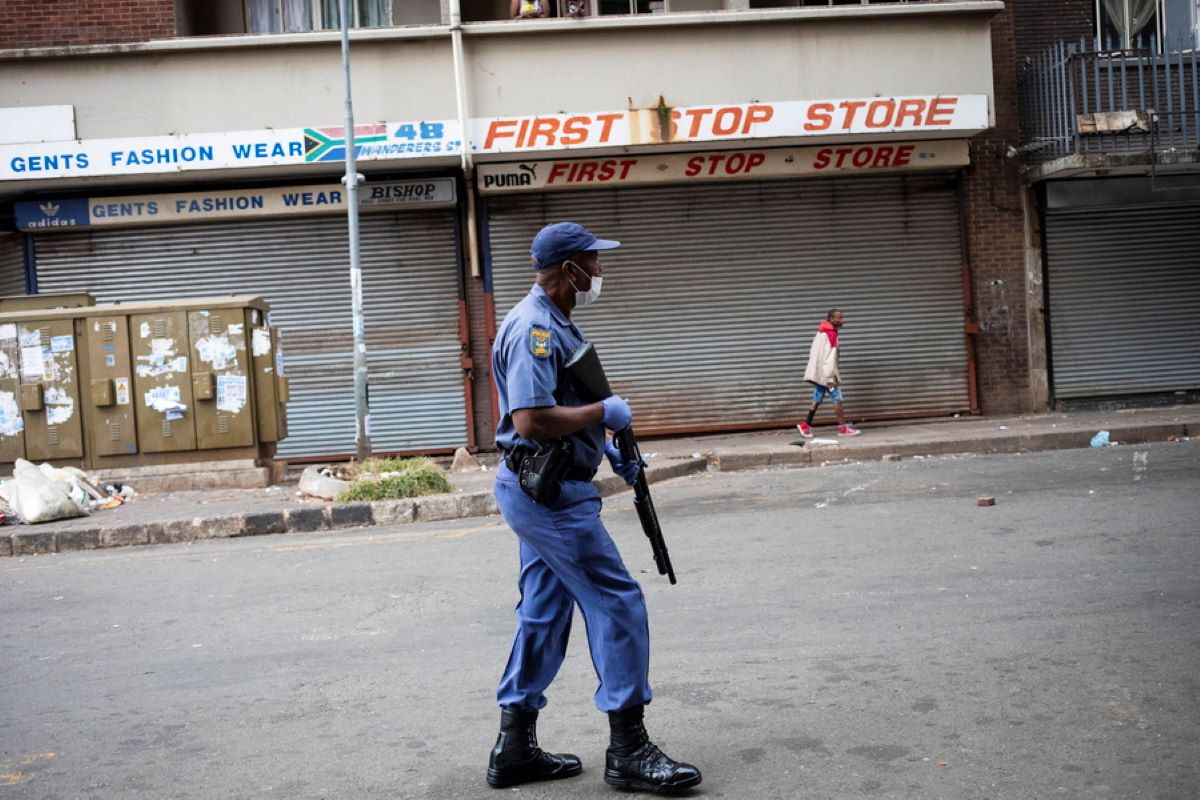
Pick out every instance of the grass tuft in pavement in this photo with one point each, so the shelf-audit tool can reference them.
(394, 479)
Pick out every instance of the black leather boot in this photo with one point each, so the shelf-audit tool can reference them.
(634, 762)
(516, 758)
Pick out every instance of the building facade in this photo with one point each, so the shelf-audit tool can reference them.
(1110, 155)
(761, 165)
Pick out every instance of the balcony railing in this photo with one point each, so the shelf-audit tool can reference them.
(1080, 101)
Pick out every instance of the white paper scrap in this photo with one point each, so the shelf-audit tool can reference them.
(32, 365)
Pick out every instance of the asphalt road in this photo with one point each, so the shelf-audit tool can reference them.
(853, 631)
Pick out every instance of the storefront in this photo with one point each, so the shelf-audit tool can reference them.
(1123, 285)
(735, 251)
(289, 245)
(732, 258)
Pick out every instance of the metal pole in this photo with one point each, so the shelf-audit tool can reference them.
(362, 411)
(464, 123)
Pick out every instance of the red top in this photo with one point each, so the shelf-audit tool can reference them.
(830, 331)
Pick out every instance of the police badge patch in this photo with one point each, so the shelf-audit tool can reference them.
(539, 342)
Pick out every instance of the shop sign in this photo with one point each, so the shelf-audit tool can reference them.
(723, 165)
(943, 116)
(286, 201)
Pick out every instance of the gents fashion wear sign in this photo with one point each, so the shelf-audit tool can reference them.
(944, 116)
(724, 165)
(285, 201)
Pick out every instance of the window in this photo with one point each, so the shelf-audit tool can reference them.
(1122, 24)
(808, 3)
(1129, 24)
(291, 16)
(633, 6)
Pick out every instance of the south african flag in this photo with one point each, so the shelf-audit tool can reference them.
(329, 144)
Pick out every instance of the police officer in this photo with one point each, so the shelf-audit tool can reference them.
(567, 557)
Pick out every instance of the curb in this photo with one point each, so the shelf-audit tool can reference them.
(435, 508)
(1010, 443)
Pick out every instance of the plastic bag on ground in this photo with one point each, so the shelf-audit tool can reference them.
(37, 497)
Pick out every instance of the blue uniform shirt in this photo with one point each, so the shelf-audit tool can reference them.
(533, 344)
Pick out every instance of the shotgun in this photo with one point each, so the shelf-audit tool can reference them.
(586, 370)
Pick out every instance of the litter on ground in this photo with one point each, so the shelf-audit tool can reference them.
(43, 493)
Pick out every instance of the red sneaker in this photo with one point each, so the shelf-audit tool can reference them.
(847, 430)
(805, 430)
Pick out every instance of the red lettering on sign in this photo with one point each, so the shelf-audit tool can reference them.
(851, 108)
(910, 109)
(941, 111)
(820, 117)
(728, 163)
(864, 156)
(727, 121)
(697, 115)
(757, 114)
(557, 170)
(877, 120)
(544, 127)
(574, 131)
(589, 171)
(608, 120)
(499, 129)
(522, 129)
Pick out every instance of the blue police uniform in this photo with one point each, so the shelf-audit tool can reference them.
(567, 556)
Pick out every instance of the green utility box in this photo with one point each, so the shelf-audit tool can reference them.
(140, 384)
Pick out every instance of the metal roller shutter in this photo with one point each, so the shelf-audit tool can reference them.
(1124, 286)
(710, 307)
(12, 264)
(410, 291)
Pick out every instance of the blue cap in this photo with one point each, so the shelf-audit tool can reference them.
(561, 240)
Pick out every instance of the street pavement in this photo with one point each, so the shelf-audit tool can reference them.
(859, 630)
(183, 516)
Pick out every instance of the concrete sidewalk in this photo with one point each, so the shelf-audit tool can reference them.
(189, 516)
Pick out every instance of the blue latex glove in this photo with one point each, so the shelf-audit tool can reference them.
(628, 470)
(617, 413)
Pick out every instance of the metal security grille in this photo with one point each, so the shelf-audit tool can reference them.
(410, 291)
(710, 306)
(1124, 287)
(12, 264)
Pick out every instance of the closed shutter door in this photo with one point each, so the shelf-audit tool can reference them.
(410, 296)
(1124, 287)
(12, 264)
(709, 308)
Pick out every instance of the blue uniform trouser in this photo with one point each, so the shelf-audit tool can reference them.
(567, 557)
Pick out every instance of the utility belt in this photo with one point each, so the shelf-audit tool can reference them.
(541, 472)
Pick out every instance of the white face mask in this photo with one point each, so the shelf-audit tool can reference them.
(590, 296)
